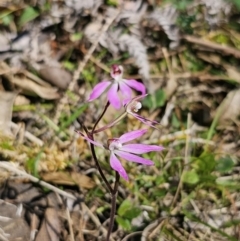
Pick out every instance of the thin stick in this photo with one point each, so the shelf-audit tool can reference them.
(70, 224)
(94, 219)
(188, 140)
(147, 229)
(131, 235)
(11, 168)
(166, 56)
(180, 184)
(225, 49)
(28, 135)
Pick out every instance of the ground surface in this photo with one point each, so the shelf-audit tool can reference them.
(52, 53)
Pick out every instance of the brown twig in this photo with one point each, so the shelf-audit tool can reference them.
(223, 48)
(29, 135)
(186, 163)
(70, 224)
(151, 226)
(131, 235)
(94, 219)
(12, 168)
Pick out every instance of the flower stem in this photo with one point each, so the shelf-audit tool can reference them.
(113, 191)
(111, 123)
(90, 135)
(113, 206)
(100, 117)
(99, 167)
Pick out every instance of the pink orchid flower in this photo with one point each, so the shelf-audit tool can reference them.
(117, 85)
(117, 147)
(132, 106)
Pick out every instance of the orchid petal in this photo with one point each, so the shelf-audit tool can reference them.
(139, 97)
(140, 148)
(125, 90)
(126, 101)
(131, 135)
(89, 140)
(117, 166)
(136, 85)
(98, 90)
(145, 120)
(133, 158)
(113, 96)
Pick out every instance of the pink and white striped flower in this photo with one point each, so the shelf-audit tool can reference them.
(118, 147)
(118, 84)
